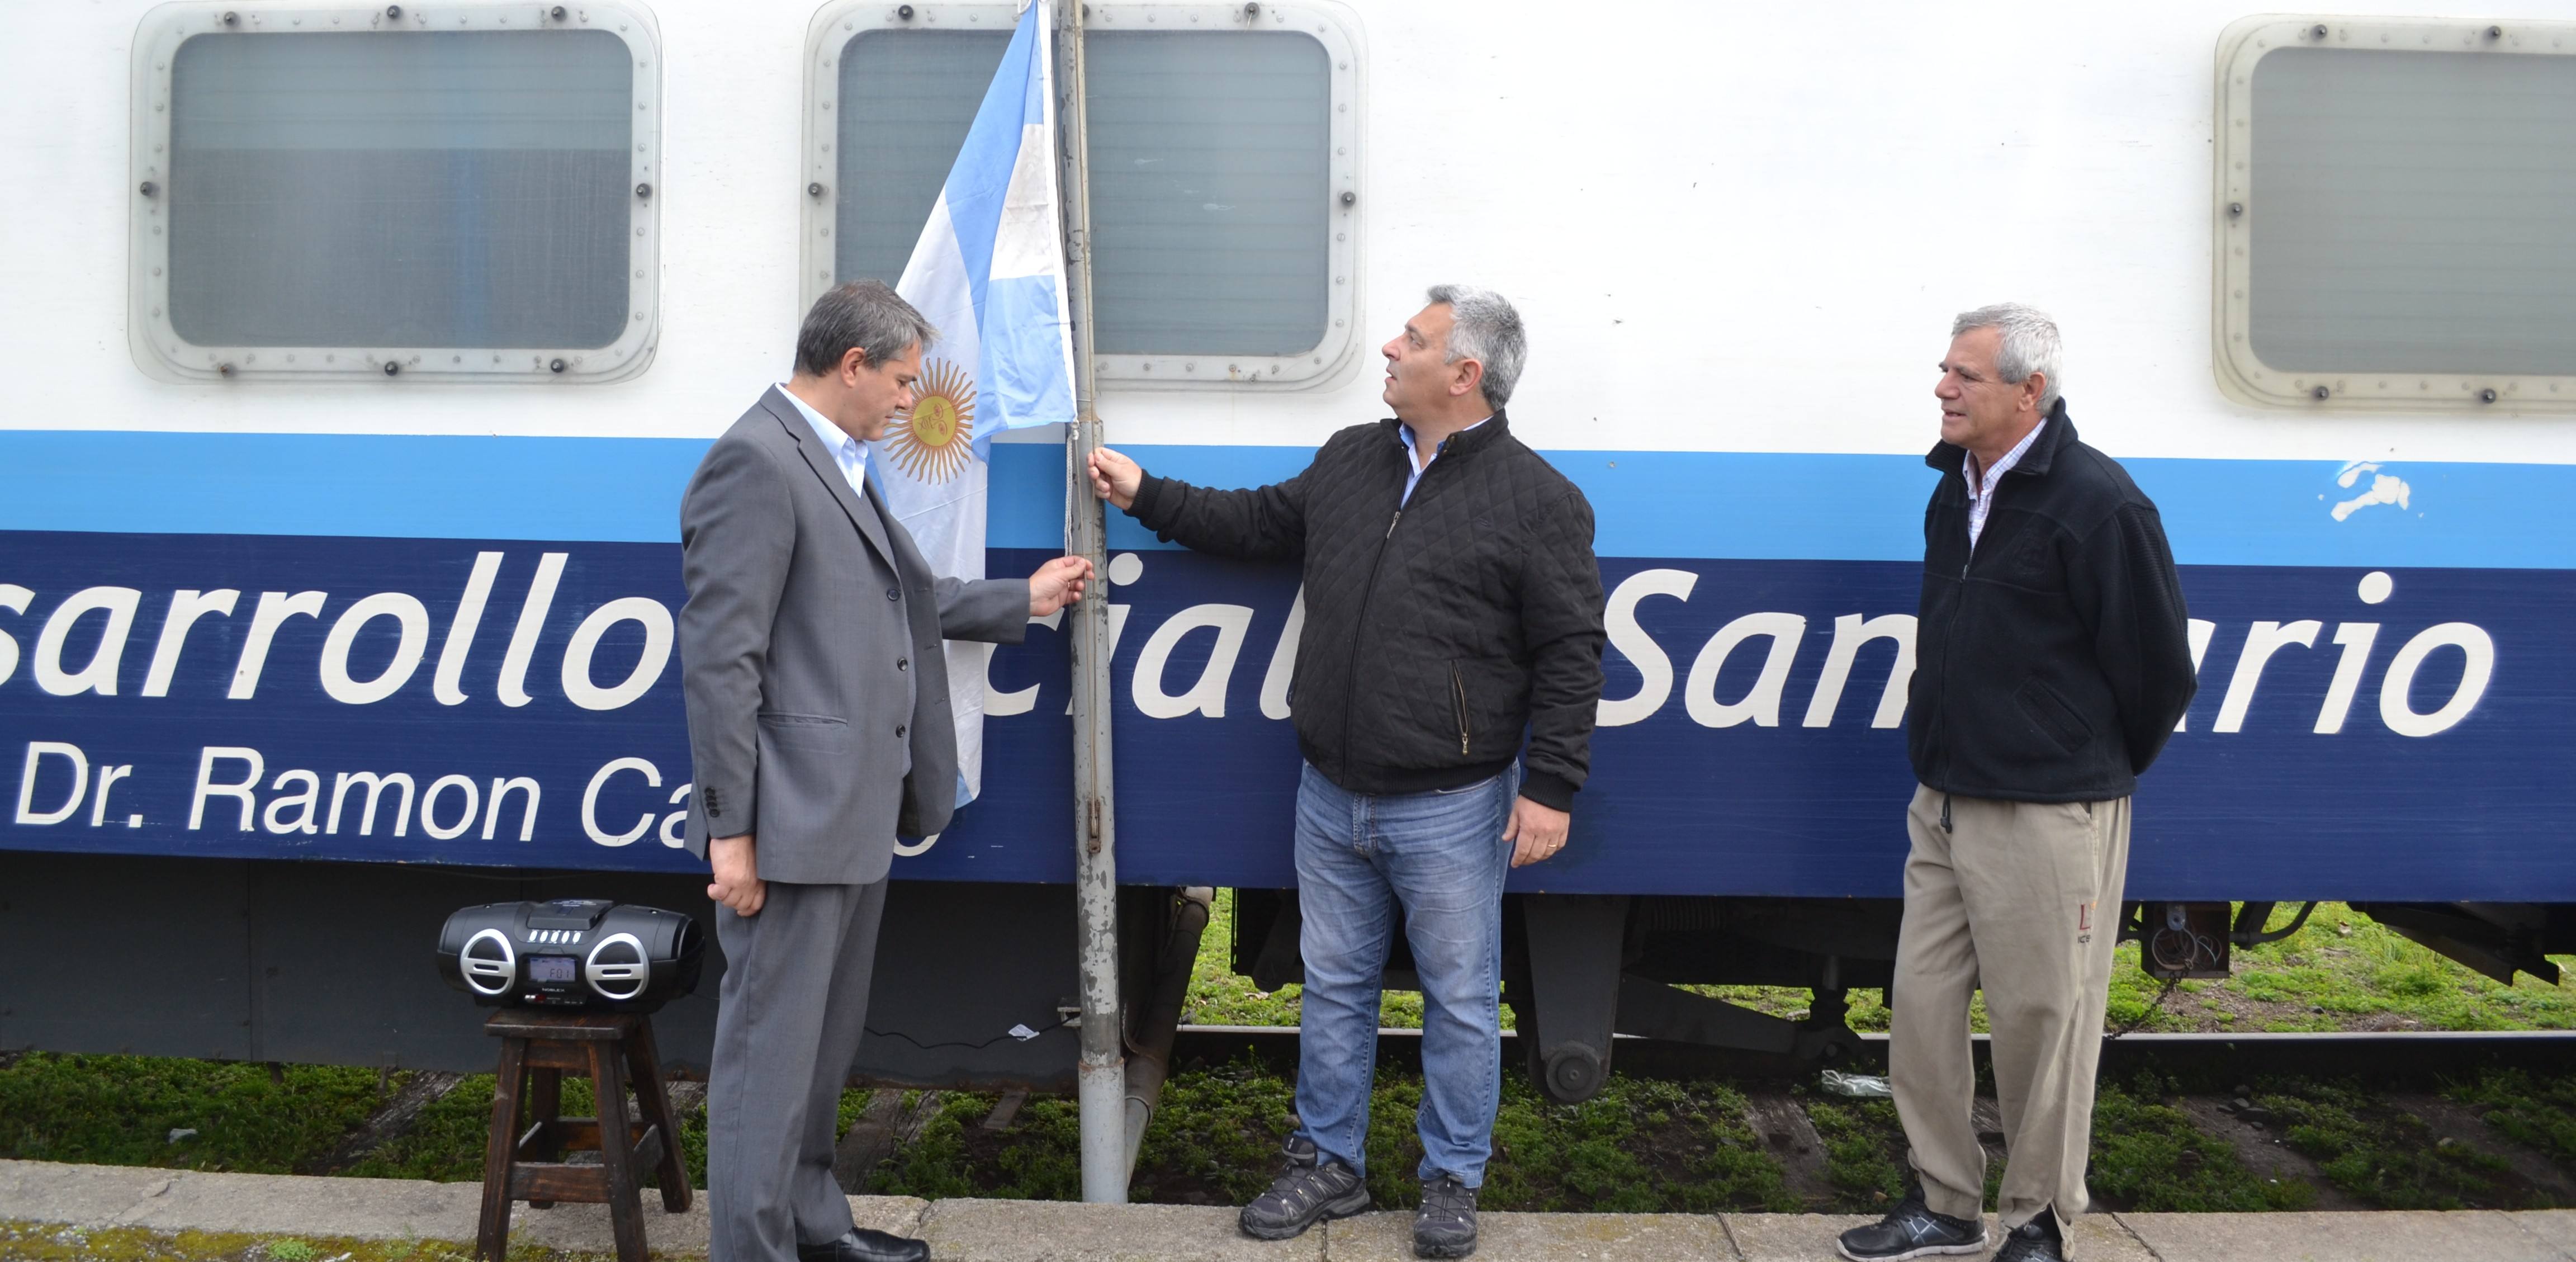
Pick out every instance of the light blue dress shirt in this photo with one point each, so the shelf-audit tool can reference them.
(1404, 435)
(847, 452)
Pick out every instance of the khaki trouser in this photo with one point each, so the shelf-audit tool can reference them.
(2023, 900)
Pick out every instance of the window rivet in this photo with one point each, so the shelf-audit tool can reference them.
(557, 13)
(1252, 10)
(1350, 198)
(224, 369)
(2235, 208)
(393, 13)
(150, 188)
(814, 190)
(2495, 32)
(904, 12)
(2487, 395)
(555, 365)
(2320, 392)
(2319, 30)
(231, 18)
(643, 190)
(392, 369)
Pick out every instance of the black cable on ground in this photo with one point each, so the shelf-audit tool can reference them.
(1035, 1032)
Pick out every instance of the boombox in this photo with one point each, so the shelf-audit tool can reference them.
(571, 953)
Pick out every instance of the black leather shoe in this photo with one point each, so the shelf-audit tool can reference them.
(864, 1245)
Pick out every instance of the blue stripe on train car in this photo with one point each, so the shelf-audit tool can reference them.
(1683, 504)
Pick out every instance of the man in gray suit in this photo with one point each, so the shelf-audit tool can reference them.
(820, 728)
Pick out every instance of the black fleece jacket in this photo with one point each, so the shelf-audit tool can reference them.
(1436, 634)
(2052, 663)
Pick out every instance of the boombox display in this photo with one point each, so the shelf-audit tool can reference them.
(571, 953)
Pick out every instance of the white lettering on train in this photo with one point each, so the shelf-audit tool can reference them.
(91, 626)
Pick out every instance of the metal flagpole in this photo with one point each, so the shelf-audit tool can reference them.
(1103, 1075)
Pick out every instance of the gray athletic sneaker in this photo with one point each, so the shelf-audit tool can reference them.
(1912, 1230)
(2035, 1241)
(1305, 1193)
(1445, 1226)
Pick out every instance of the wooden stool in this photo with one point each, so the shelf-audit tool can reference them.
(616, 1050)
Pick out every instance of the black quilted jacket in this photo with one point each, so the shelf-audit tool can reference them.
(1435, 635)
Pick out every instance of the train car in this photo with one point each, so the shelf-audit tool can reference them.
(357, 356)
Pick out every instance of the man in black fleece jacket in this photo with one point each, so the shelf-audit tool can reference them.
(1452, 604)
(2052, 661)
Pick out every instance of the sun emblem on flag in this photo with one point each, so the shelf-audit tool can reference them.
(933, 441)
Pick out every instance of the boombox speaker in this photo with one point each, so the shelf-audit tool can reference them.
(571, 953)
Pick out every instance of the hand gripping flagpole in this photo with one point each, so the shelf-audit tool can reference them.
(1102, 1082)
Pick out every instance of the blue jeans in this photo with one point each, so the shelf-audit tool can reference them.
(1442, 855)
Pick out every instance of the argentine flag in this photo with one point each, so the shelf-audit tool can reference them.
(989, 273)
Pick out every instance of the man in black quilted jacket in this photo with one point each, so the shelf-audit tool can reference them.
(1453, 605)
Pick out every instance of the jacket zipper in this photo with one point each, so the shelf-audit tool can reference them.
(1950, 635)
(1458, 686)
(1351, 674)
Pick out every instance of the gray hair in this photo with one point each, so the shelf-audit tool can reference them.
(2029, 344)
(1487, 330)
(867, 314)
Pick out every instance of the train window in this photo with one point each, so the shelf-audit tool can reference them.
(465, 193)
(2396, 214)
(1223, 163)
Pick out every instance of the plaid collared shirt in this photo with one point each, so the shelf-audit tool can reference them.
(1981, 489)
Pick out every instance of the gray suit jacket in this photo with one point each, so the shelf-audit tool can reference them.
(812, 619)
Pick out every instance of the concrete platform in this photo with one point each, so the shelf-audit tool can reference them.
(1046, 1231)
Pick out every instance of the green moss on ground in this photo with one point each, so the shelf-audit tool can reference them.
(1217, 1136)
(24, 1241)
(122, 1110)
(2538, 1114)
(1038, 1158)
(2387, 1157)
(1864, 1151)
(1639, 1146)
(2148, 1155)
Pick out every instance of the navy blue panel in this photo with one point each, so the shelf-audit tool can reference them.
(2276, 809)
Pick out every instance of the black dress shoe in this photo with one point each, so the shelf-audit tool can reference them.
(864, 1245)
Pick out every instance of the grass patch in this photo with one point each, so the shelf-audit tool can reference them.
(123, 1110)
(2388, 1158)
(25, 1241)
(2540, 1115)
(1039, 1158)
(1637, 1147)
(1864, 1151)
(444, 1143)
(2344, 971)
(2148, 1155)
(1217, 1136)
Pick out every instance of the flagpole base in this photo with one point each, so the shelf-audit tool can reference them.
(1102, 1092)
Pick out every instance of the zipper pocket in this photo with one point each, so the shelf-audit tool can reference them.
(1458, 688)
